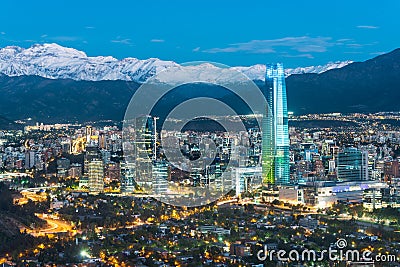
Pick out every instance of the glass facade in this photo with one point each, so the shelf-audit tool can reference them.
(275, 147)
(352, 165)
(160, 177)
(143, 152)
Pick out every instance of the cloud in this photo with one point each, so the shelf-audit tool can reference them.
(43, 35)
(377, 53)
(367, 27)
(299, 55)
(2, 33)
(90, 27)
(352, 52)
(302, 44)
(157, 40)
(197, 49)
(359, 46)
(122, 41)
(63, 38)
(355, 45)
(344, 40)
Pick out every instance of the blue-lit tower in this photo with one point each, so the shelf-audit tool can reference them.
(275, 147)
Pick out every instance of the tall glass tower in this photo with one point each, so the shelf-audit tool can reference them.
(275, 143)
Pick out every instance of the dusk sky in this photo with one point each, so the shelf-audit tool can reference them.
(297, 33)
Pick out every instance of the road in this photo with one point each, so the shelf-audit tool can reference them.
(55, 226)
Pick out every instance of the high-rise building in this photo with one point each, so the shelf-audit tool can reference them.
(127, 176)
(143, 151)
(102, 141)
(352, 165)
(89, 132)
(160, 177)
(275, 137)
(246, 179)
(331, 166)
(92, 152)
(29, 159)
(96, 176)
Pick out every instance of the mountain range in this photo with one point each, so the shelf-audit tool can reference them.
(57, 62)
(365, 87)
(51, 83)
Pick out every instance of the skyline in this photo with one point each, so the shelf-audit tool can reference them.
(199, 133)
(303, 34)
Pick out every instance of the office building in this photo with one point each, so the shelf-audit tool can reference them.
(96, 176)
(89, 133)
(127, 176)
(143, 152)
(352, 165)
(92, 152)
(29, 159)
(246, 179)
(160, 177)
(275, 137)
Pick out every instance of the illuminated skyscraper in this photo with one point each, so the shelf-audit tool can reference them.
(275, 145)
(96, 176)
(127, 176)
(92, 152)
(143, 149)
(137, 166)
(160, 177)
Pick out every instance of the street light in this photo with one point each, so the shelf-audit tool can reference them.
(85, 254)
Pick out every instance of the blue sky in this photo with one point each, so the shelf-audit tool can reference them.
(297, 33)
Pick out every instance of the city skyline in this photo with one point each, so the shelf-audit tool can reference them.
(199, 133)
(73, 176)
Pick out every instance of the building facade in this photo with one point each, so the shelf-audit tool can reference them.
(352, 165)
(275, 146)
(96, 176)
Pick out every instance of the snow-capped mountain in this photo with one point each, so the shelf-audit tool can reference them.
(318, 69)
(57, 62)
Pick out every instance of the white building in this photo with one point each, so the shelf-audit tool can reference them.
(246, 179)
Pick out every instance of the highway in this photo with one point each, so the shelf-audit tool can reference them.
(55, 226)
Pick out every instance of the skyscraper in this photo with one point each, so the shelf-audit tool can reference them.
(275, 143)
(89, 132)
(160, 177)
(143, 149)
(29, 159)
(127, 176)
(136, 168)
(96, 176)
(352, 165)
(92, 152)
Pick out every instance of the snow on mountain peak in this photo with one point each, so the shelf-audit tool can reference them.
(57, 62)
(317, 69)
